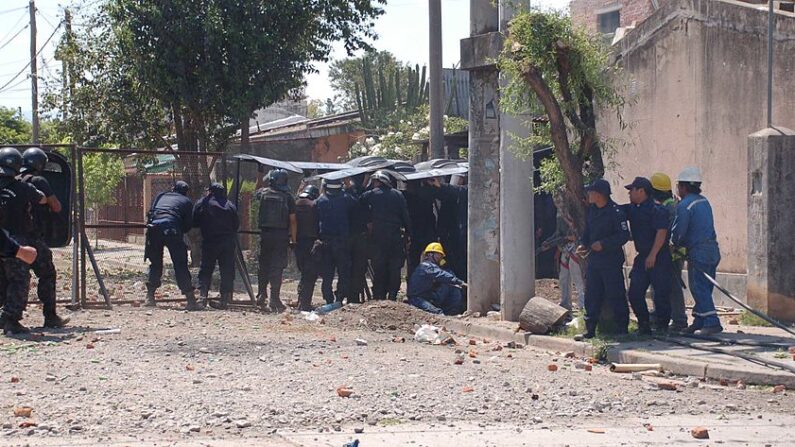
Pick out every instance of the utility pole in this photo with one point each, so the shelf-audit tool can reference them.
(770, 27)
(34, 77)
(65, 73)
(436, 87)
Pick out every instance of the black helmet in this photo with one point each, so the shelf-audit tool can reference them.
(34, 160)
(310, 192)
(10, 162)
(181, 188)
(278, 179)
(332, 186)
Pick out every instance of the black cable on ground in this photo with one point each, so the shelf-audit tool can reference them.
(716, 350)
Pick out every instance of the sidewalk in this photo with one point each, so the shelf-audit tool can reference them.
(673, 357)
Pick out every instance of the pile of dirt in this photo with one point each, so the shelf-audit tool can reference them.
(383, 315)
(549, 289)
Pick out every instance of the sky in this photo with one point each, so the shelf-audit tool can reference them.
(402, 30)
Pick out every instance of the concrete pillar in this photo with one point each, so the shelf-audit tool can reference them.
(771, 200)
(477, 56)
(435, 79)
(517, 235)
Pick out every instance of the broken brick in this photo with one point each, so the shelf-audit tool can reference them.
(779, 389)
(552, 367)
(700, 433)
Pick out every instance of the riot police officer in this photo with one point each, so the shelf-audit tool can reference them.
(422, 211)
(308, 265)
(18, 199)
(33, 164)
(278, 231)
(333, 209)
(389, 218)
(218, 220)
(169, 218)
(606, 232)
(358, 240)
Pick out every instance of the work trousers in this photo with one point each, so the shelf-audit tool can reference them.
(358, 251)
(387, 257)
(16, 283)
(704, 312)
(274, 246)
(660, 278)
(222, 251)
(570, 270)
(678, 310)
(309, 269)
(605, 286)
(446, 299)
(157, 239)
(44, 268)
(336, 259)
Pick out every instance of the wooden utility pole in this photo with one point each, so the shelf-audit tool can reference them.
(436, 86)
(34, 77)
(65, 73)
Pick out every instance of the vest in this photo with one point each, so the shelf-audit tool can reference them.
(274, 210)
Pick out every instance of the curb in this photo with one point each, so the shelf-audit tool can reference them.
(617, 354)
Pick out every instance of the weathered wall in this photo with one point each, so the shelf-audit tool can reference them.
(698, 89)
(584, 12)
(325, 149)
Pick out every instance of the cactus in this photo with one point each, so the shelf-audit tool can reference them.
(381, 96)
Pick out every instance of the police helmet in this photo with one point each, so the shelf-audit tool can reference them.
(278, 179)
(382, 177)
(10, 162)
(310, 192)
(34, 160)
(181, 188)
(332, 186)
(216, 187)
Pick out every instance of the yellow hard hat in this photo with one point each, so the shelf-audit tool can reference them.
(661, 182)
(434, 247)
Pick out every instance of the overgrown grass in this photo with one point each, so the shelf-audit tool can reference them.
(749, 319)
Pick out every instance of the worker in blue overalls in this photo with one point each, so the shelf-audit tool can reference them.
(649, 224)
(602, 242)
(694, 229)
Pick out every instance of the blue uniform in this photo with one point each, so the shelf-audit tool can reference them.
(217, 218)
(389, 215)
(431, 289)
(170, 217)
(333, 211)
(605, 275)
(645, 219)
(694, 229)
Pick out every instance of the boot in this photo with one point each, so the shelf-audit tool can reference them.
(277, 307)
(644, 329)
(192, 304)
(150, 298)
(204, 295)
(53, 321)
(223, 303)
(12, 327)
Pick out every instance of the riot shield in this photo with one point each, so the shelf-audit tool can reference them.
(58, 229)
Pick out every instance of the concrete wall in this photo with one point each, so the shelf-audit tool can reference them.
(697, 71)
(584, 12)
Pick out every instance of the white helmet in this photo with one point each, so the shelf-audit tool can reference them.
(690, 174)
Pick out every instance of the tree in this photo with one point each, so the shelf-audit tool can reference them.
(566, 71)
(314, 108)
(14, 129)
(346, 74)
(102, 174)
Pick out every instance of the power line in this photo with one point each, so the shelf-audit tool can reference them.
(13, 9)
(11, 88)
(29, 62)
(21, 18)
(14, 37)
(44, 16)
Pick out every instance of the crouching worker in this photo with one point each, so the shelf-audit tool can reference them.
(433, 289)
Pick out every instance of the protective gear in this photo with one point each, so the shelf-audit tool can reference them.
(661, 182)
(192, 303)
(181, 188)
(601, 186)
(150, 297)
(278, 179)
(434, 247)
(10, 326)
(274, 209)
(382, 177)
(53, 321)
(690, 174)
(332, 186)
(217, 189)
(311, 192)
(34, 160)
(223, 303)
(10, 162)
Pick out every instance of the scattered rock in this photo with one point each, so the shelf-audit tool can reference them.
(552, 367)
(740, 385)
(468, 389)
(358, 430)
(699, 433)
(23, 412)
(242, 423)
(361, 342)
(779, 389)
(344, 391)
(668, 386)
(600, 431)
(569, 355)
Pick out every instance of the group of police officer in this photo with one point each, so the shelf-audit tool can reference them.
(664, 233)
(340, 231)
(27, 203)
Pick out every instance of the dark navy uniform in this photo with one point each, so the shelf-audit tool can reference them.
(453, 225)
(307, 220)
(18, 199)
(358, 241)
(432, 289)
(275, 208)
(333, 211)
(8, 246)
(389, 216)
(605, 275)
(170, 217)
(422, 211)
(645, 220)
(43, 266)
(218, 220)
